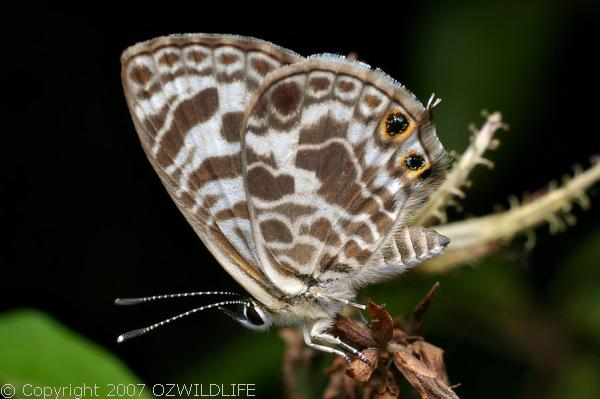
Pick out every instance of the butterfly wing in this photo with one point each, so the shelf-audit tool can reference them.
(186, 95)
(335, 157)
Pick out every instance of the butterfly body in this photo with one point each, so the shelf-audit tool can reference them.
(299, 174)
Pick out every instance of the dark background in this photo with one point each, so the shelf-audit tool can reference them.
(88, 219)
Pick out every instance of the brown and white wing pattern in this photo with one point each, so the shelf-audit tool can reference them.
(334, 153)
(187, 95)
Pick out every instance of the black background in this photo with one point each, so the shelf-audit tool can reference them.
(88, 219)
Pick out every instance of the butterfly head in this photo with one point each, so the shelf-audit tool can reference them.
(251, 315)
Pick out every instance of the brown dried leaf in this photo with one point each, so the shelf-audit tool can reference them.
(432, 357)
(353, 333)
(399, 337)
(389, 388)
(360, 371)
(382, 326)
(425, 381)
(421, 363)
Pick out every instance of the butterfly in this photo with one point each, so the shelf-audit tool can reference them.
(300, 175)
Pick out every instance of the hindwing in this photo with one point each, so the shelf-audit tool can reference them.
(333, 155)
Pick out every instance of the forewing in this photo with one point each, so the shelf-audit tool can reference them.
(327, 171)
(186, 95)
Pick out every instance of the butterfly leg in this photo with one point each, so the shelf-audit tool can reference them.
(344, 301)
(336, 341)
(308, 339)
(318, 332)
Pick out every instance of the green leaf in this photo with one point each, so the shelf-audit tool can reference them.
(37, 350)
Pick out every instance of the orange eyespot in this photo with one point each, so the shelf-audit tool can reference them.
(416, 164)
(395, 124)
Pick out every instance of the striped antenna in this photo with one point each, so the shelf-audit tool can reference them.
(137, 301)
(142, 331)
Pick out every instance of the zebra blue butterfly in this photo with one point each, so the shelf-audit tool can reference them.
(300, 175)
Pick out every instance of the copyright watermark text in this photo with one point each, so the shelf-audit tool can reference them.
(129, 391)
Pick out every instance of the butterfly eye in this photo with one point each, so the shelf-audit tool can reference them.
(415, 162)
(253, 316)
(396, 123)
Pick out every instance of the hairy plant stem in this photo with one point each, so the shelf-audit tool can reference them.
(472, 238)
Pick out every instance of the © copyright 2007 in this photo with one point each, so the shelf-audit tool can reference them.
(129, 391)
